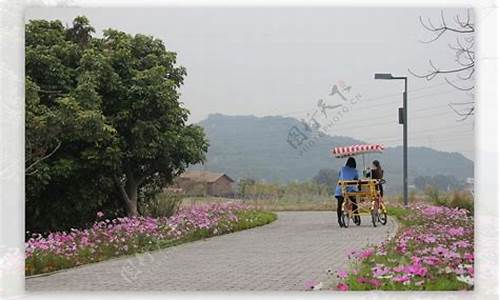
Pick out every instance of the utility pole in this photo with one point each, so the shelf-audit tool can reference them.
(403, 119)
(405, 143)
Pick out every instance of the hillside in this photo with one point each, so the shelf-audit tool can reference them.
(254, 147)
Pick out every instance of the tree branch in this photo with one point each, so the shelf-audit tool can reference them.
(464, 54)
(458, 87)
(26, 170)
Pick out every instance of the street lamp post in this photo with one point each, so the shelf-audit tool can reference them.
(403, 119)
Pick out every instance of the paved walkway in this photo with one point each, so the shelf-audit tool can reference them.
(279, 256)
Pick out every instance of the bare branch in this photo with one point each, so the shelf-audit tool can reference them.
(431, 74)
(463, 27)
(464, 55)
(42, 159)
(462, 103)
(469, 76)
(464, 115)
(458, 87)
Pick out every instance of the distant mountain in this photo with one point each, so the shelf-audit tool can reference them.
(257, 147)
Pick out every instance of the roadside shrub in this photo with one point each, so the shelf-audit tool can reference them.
(413, 197)
(461, 199)
(163, 205)
(435, 196)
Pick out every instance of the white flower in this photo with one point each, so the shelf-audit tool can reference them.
(466, 279)
(318, 287)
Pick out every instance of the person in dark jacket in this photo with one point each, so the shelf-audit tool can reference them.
(378, 173)
(348, 172)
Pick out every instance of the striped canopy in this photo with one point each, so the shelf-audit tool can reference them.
(357, 149)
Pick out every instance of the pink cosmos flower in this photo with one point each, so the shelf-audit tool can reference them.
(461, 244)
(417, 270)
(100, 214)
(375, 282)
(459, 231)
(342, 274)
(468, 256)
(431, 260)
(366, 253)
(440, 250)
(429, 239)
(398, 269)
(342, 287)
(401, 278)
(310, 284)
(362, 280)
(380, 270)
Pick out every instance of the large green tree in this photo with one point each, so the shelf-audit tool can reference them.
(103, 122)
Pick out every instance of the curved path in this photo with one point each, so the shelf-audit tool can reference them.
(279, 256)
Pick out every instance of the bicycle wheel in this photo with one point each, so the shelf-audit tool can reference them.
(345, 219)
(382, 218)
(374, 213)
(357, 220)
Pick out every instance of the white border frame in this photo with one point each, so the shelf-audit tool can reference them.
(12, 144)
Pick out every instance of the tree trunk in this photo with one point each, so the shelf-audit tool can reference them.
(131, 204)
(128, 193)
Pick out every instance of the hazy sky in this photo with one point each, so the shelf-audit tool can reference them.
(281, 61)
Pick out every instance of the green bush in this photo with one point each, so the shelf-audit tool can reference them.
(435, 196)
(162, 205)
(413, 197)
(462, 199)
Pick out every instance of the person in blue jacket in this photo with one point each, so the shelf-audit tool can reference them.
(348, 172)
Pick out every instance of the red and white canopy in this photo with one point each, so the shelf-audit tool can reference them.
(357, 149)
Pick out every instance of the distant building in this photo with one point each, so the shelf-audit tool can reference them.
(204, 183)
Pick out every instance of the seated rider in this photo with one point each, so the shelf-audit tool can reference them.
(378, 173)
(348, 172)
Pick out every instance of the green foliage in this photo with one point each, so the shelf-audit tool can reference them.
(162, 205)
(460, 199)
(412, 197)
(245, 185)
(398, 212)
(435, 196)
(104, 125)
(404, 215)
(455, 199)
(252, 218)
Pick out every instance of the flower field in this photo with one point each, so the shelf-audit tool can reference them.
(433, 251)
(124, 236)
